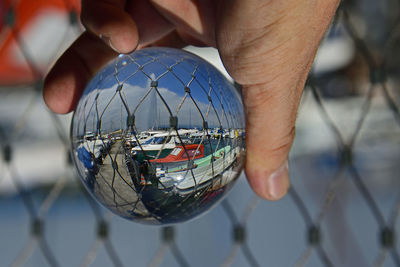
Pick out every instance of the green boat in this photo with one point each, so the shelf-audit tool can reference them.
(206, 161)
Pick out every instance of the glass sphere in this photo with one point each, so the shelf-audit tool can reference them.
(158, 136)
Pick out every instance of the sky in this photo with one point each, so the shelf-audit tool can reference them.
(145, 102)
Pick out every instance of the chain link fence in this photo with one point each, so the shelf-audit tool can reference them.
(343, 206)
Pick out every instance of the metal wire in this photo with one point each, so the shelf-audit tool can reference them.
(379, 82)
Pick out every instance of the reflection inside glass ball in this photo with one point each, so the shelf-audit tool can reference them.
(158, 136)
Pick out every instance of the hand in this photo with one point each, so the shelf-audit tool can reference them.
(267, 46)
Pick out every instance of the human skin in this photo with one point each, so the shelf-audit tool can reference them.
(267, 46)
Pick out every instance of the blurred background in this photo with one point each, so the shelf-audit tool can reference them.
(343, 206)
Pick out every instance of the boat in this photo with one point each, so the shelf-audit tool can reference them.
(160, 145)
(206, 162)
(146, 135)
(182, 153)
(200, 172)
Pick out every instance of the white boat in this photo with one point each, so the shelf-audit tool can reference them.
(202, 172)
(162, 143)
(141, 137)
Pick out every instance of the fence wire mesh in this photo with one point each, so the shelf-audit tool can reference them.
(188, 159)
(343, 206)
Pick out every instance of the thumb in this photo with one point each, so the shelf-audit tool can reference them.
(270, 52)
(270, 130)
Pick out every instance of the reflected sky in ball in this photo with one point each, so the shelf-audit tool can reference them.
(173, 72)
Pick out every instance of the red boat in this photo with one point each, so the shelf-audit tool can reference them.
(178, 154)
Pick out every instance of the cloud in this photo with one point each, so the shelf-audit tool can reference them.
(149, 108)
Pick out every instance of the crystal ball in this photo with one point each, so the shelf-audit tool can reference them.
(158, 136)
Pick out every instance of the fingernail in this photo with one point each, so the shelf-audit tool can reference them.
(107, 40)
(278, 182)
